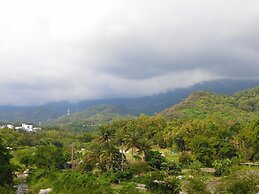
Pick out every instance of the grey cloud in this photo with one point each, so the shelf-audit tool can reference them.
(75, 50)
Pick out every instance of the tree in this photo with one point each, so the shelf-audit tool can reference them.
(132, 138)
(104, 152)
(50, 156)
(106, 134)
(144, 147)
(248, 141)
(6, 168)
(202, 149)
(155, 160)
(179, 142)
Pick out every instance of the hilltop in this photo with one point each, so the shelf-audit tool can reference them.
(94, 115)
(149, 105)
(242, 105)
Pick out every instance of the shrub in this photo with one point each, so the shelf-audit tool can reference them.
(197, 186)
(75, 182)
(138, 167)
(117, 177)
(158, 183)
(172, 168)
(155, 160)
(129, 188)
(6, 190)
(222, 167)
(185, 159)
(162, 144)
(195, 167)
(240, 184)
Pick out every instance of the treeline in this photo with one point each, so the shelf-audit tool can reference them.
(148, 150)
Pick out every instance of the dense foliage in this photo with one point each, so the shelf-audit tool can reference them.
(199, 153)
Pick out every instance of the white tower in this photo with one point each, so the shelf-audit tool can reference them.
(68, 112)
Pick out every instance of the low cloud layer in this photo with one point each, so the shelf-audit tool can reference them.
(75, 50)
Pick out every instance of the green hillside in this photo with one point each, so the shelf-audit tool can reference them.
(148, 105)
(199, 105)
(94, 115)
(203, 150)
(34, 115)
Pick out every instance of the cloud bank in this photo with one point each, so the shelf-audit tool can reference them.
(75, 50)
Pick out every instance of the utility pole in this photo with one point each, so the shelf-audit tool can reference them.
(72, 156)
(122, 156)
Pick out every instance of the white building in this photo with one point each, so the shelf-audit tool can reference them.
(18, 128)
(28, 128)
(9, 126)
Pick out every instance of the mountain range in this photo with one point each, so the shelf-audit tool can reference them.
(93, 116)
(55, 112)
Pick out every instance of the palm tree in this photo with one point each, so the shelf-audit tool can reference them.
(144, 147)
(107, 141)
(132, 141)
(106, 134)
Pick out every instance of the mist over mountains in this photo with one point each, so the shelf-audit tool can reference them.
(147, 105)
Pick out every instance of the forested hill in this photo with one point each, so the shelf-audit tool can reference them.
(94, 115)
(148, 105)
(240, 106)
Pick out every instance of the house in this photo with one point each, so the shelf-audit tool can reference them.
(18, 128)
(9, 126)
(26, 127)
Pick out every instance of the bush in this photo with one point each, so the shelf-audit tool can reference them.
(41, 178)
(77, 183)
(185, 159)
(68, 182)
(158, 183)
(155, 160)
(240, 184)
(138, 167)
(245, 186)
(117, 177)
(195, 167)
(172, 168)
(222, 167)
(6, 190)
(162, 144)
(129, 188)
(197, 186)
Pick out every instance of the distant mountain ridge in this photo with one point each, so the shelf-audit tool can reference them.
(148, 105)
(97, 114)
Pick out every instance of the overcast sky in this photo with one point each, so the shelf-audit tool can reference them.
(55, 50)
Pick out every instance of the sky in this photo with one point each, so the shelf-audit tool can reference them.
(56, 50)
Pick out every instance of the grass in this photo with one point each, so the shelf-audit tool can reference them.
(168, 153)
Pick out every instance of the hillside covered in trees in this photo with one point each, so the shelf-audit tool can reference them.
(198, 146)
(92, 117)
(148, 104)
(241, 106)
